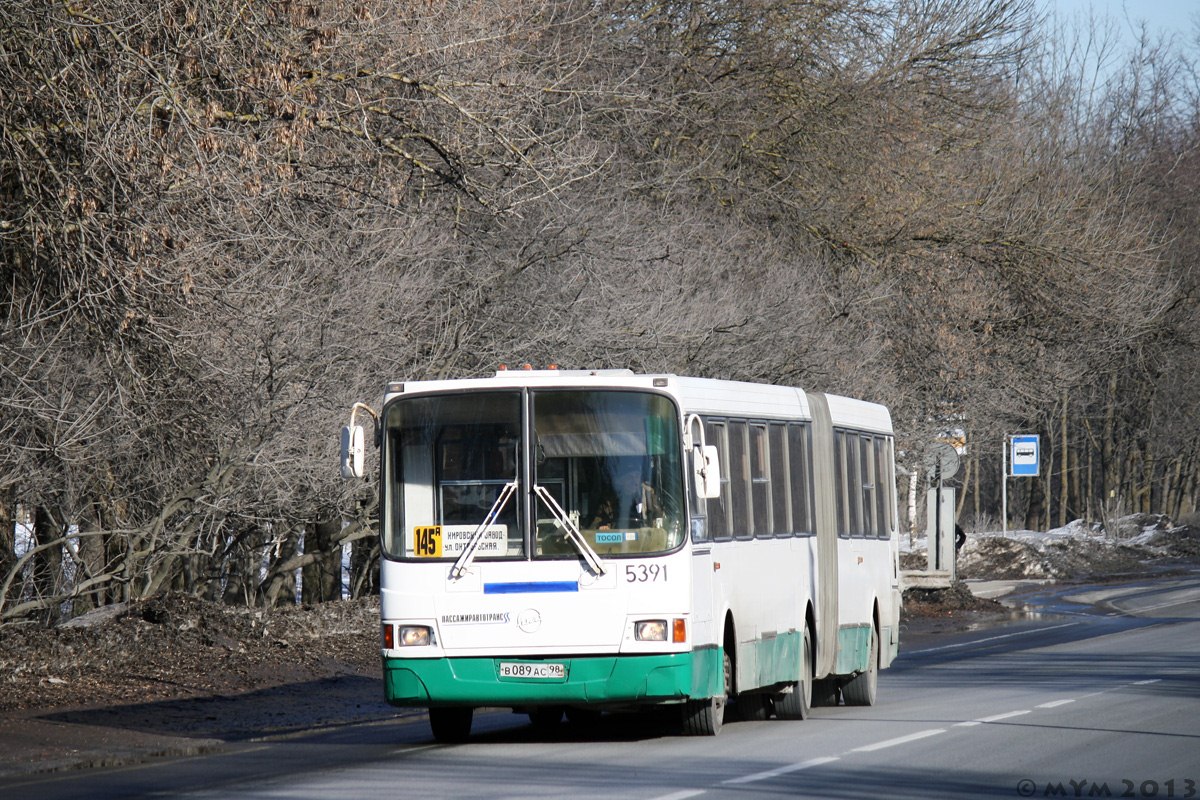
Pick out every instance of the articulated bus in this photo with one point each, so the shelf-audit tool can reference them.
(574, 541)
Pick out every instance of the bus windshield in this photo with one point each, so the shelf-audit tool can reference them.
(449, 458)
(601, 465)
(611, 460)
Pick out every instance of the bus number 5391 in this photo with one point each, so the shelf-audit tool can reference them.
(641, 573)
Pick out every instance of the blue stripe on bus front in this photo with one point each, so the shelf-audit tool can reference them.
(529, 587)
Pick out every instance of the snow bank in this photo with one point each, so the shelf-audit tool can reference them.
(1076, 550)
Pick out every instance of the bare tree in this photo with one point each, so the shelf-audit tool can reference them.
(225, 224)
(204, 201)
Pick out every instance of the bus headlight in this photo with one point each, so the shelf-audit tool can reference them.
(650, 630)
(415, 636)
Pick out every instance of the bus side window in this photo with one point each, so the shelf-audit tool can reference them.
(870, 486)
(760, 481)
(854, 487)
(739, 481)
(800, 477)
(781, 498)
(886, 486)
(839, 483)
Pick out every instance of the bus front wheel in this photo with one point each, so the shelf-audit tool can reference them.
(705, 717)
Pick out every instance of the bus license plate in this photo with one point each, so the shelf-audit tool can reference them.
(512, 669)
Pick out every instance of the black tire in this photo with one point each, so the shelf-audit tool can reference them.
(862, 689)
(451, 725)
(797, 703)
(706, 717)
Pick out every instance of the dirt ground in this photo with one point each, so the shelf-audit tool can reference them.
(927, 611)
(177, 646)
(175, 675)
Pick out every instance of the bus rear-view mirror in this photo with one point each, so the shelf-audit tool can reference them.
(707, 472)
(353, 449)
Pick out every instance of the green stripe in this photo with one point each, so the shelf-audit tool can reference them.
(854, 648)
(776, 659)
(589, 679)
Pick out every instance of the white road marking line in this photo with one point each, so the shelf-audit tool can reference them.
(991, 639)
(1006, 715)
(772, 773)
(996, 718)
(912, 737)
(681, 795)
(1057, 703)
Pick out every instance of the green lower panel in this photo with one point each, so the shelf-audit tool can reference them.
(854, 647)
(590, 679)
(778, 658)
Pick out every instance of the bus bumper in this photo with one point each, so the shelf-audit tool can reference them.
(588, 679)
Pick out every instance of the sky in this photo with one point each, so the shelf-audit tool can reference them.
(1167, 16)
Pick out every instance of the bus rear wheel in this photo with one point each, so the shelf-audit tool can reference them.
(705, 717)
(451, 725)
(863, 687)
(797, 703)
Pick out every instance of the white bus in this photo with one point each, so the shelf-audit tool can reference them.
(563, 541)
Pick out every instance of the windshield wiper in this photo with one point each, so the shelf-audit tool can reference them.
(468, 553)
(573, 533)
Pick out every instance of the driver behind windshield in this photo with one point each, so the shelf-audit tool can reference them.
(630, 503)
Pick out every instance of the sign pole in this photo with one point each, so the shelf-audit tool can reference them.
(1004, 484)
(937, 520)
(941, 464)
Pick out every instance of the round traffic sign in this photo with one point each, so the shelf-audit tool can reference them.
(942, 459)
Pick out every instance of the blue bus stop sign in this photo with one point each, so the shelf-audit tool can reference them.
(1024, 456)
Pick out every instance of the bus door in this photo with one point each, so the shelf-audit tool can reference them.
(703, 566)
(707, 520)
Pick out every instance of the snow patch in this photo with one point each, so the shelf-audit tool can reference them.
(1076, 550)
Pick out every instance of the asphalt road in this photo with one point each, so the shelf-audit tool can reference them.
(1098, 696)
